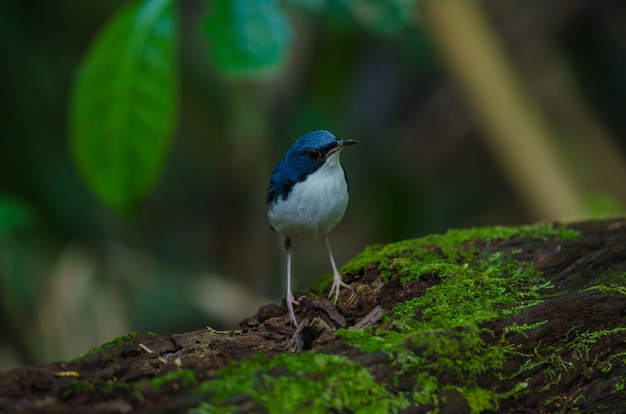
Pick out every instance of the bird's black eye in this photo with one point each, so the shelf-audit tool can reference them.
(314, 154)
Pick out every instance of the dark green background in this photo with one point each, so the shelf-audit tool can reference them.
(194, 249)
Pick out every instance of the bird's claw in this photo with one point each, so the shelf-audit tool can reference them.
(291, 300)
(296, 343)
(299, 300)
(337, 284)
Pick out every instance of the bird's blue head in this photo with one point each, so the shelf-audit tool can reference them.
(304, 157)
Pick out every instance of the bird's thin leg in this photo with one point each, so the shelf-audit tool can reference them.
(337, 282)
(290, 299)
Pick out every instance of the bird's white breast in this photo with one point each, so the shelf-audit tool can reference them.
(314, 206)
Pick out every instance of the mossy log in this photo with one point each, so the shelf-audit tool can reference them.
(524, 319)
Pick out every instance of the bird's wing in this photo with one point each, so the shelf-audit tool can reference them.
(271, 195)
(274, 188)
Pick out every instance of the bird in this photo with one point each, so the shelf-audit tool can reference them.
(307, 197)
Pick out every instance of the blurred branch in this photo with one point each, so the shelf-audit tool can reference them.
(517, 135)
(537, 34)
(606, 168)
(78, 309)
(224, 299)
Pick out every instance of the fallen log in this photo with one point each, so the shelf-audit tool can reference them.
(506, 319)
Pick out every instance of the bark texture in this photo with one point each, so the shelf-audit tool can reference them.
(528, 319)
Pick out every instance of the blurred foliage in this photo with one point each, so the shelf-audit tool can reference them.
(122, 112)
(14, 214)
(248, 38)
(138, 138)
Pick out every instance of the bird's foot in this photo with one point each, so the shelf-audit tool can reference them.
(290, 302)
(296, 343)
(337, 284)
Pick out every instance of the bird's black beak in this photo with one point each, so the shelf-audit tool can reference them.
(341, 144)
(346, 142)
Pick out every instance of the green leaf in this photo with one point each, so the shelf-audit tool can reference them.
(124, 103)
(14, 214)
(249, 38)
(315, 6)
(386, 17)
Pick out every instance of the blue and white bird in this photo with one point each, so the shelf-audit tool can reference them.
(307, 197)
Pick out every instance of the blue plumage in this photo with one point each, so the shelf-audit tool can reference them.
(308, 195)
(305, 156)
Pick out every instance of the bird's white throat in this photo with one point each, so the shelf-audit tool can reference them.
(314, 206)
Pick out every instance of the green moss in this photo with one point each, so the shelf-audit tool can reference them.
(448, 246)
(118, 341)
(427, 355)
(78, 387)
(437, 335)
(303, 383)
(135, 387)
(105, 358)
(184, 377)
(536, 231)
(445, 341)
(522, 329)
(112, 385)
(480, 399)
(471, 294)
(574, 352)
(444, 254)
(607, 288)
(206, 408)
(436, 340)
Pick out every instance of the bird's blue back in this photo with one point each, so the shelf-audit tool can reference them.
(304, 157)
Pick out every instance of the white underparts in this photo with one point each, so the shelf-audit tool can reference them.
(314, 206)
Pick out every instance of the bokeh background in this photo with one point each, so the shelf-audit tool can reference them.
(468, 113)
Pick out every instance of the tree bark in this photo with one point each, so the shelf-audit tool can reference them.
(527, 319)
